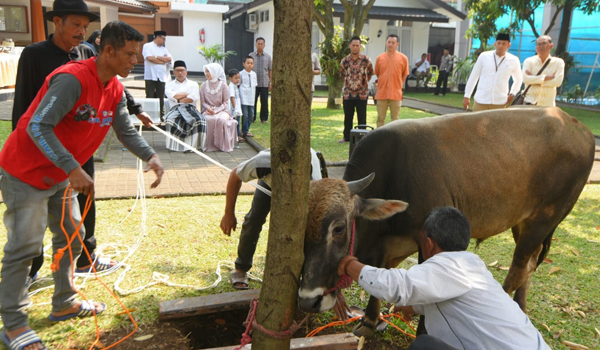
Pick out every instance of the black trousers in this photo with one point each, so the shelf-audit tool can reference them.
(89, 224)
(442, 78)
(156, 89)
(253, 223)
(428, 342)
(263, 92)
(361, 112)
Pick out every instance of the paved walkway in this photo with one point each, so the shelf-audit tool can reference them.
(188, 173)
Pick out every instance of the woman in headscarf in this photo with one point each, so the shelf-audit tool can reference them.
(221, 128)
(94, 41)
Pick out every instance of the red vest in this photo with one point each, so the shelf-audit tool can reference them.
(81, 136)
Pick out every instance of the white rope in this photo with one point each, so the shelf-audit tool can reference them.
(259, 187)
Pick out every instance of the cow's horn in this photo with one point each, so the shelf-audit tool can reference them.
(359, 185)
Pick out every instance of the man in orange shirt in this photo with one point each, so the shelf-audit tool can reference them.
(391, 69)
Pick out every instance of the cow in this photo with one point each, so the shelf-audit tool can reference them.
(518, 168)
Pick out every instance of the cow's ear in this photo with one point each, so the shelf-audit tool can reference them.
(378, 209)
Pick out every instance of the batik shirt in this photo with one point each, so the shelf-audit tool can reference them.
(356, 73)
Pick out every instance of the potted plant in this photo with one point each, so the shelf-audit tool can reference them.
(462, 70)
(215, 53)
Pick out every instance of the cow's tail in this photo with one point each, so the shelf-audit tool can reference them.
(545, 248)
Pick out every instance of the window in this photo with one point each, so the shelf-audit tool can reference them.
(264, 16)
(13, 19)
(173, 26)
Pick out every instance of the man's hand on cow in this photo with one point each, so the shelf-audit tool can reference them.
(228, 223)
(466, 103)
(155, 164)
(145, 119)
(81, 182)
(343, 265)
(341, 308)
(407, 311)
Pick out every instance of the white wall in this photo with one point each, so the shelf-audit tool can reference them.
(420, 41)
(186, 47)
(18, 36)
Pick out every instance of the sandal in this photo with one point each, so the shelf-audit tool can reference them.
(249, 134)
(241, 139)
(22, 340)
(239, 280)
(87, 309)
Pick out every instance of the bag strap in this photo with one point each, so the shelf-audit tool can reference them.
(538, 73)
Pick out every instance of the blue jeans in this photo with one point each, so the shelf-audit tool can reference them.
(28, 211)
(248, 112)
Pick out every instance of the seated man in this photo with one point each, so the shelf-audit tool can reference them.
(257, 167)
(184, 121)
(464, 306)
(423, 68)
(62, 129)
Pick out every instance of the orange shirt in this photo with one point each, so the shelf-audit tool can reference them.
(391, 72)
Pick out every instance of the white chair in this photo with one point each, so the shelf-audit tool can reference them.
(150, 106)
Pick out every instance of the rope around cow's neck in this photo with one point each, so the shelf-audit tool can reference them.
(345, 281)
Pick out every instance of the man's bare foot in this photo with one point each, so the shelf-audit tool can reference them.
(76, 307)
(15, 333)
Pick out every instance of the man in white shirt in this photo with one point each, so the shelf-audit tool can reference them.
(184, 121)
(464, 306)
(493, 70)
(423, 71)
(542, 87)
(156, 71)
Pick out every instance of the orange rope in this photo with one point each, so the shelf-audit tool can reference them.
(382, 317)
(60, 253)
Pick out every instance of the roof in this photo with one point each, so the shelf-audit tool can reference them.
(398, 13)
(131, 4)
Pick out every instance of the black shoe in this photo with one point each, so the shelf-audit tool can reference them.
(434, 94)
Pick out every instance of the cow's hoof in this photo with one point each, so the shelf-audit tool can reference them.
(364, 329)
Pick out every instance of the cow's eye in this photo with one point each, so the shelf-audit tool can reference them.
(338, 230)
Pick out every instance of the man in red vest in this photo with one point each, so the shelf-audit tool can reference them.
(62, 129)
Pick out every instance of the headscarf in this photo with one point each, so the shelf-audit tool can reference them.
(216, 72)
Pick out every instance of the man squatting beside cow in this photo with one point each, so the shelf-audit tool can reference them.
(61, 130)
(464, 306)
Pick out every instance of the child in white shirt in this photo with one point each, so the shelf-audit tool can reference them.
(248, 83)
(235, 105)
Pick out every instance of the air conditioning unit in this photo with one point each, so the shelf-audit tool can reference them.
(252, 22)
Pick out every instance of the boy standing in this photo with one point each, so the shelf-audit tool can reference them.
(234, 96)
(248, 83)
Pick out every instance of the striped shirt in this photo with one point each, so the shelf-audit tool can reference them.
(263, 64)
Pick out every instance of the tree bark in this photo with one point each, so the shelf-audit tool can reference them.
(290, 163)
(335, 92)
(565, 28)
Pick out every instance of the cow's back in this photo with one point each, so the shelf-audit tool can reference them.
(495, 166)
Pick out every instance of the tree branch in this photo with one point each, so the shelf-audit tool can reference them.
(553, 21)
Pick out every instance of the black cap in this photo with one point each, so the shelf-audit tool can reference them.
(503, 36)
(160, 32)
(179, 64)
(70, 7)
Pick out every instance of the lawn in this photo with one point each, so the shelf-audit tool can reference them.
(328, 127)
(564, 305)
(5, 130)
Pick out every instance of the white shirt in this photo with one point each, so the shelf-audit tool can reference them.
(493, 83)
(543, 92)
(463, 304)
(174, 87)
(424, 67)
(259, 167)
(155, 71)
(234, 92)
(248, 84)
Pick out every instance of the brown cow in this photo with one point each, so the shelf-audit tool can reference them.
(520, 168)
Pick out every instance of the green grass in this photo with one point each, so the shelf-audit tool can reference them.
(328, 127)
(5, 130)
(188, 247)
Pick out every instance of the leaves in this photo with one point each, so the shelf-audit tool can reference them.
(553, 270)
(492, 264)
(144, 337)
(574, 346)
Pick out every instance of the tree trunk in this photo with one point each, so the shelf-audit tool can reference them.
(290, 162)
(335, 92)
(565, 28)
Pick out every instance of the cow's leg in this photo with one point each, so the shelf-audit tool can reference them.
(531, 239)
(368, 323)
